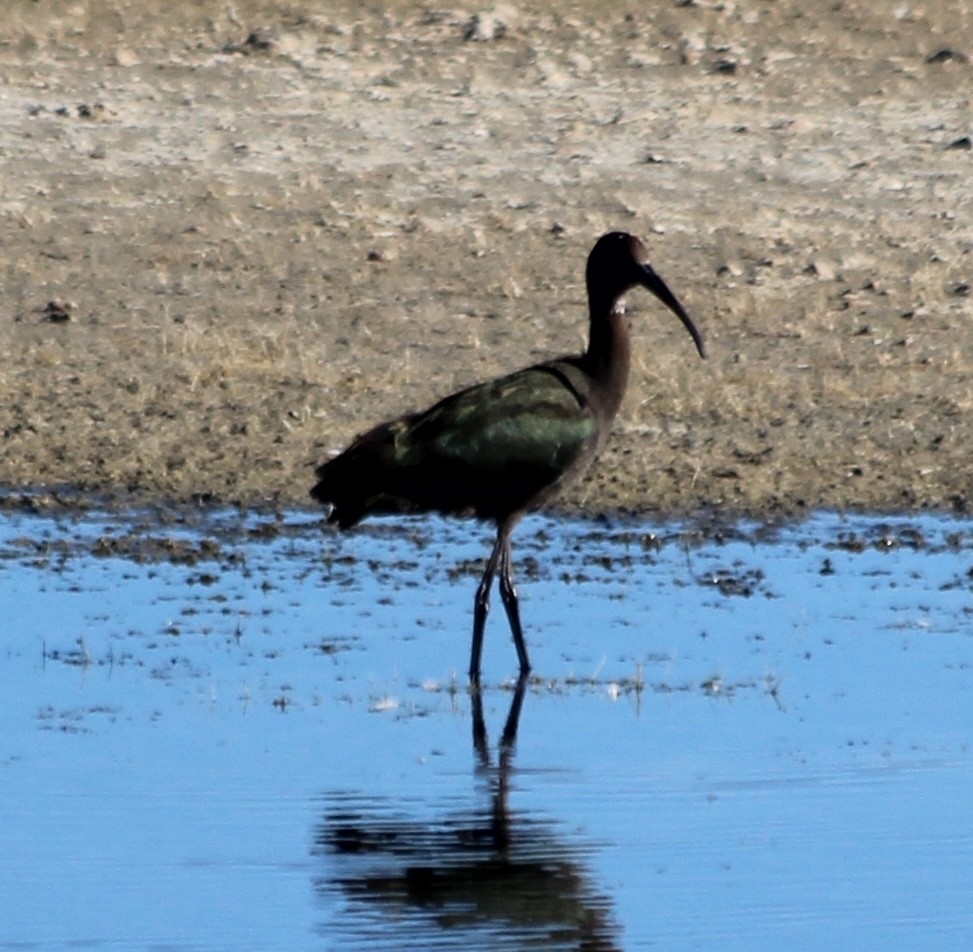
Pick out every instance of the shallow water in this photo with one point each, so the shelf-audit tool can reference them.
(224, 732)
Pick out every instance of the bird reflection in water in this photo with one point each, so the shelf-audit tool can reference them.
(484, 877)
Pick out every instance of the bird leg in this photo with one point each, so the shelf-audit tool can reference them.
(510, 602)
(481, 606)
(499, 557)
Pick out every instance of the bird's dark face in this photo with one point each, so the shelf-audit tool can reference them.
(617, 264)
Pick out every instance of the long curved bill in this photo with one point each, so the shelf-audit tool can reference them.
(652, 282)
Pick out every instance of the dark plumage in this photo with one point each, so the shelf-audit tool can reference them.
(506, 447)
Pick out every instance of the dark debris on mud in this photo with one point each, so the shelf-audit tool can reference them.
(184, 534)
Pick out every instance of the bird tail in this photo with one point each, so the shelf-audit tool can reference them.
(352, 482)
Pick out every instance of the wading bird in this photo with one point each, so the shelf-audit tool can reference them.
(504, 448)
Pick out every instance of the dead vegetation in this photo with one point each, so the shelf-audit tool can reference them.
(268, 246)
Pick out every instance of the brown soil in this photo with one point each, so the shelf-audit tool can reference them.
(234, 235)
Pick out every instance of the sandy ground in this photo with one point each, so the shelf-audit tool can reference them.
(233, 235)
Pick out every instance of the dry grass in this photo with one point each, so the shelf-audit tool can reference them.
(270, 251)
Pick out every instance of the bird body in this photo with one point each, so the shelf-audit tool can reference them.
(506, 447)
(486, 451)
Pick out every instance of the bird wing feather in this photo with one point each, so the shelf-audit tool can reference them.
(491, 450)
(536, 419)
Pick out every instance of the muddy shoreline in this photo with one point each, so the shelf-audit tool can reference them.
(234, 237)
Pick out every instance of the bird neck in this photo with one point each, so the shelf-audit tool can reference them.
(609, 354)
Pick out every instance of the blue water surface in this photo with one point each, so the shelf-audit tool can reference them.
(242, 732)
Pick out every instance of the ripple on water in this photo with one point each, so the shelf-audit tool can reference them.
(245, 732)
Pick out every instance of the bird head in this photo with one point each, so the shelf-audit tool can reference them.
(618, 263)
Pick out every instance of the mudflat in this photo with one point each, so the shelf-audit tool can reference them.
(235, 235)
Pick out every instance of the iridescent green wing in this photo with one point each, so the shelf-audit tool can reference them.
(536, 422)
